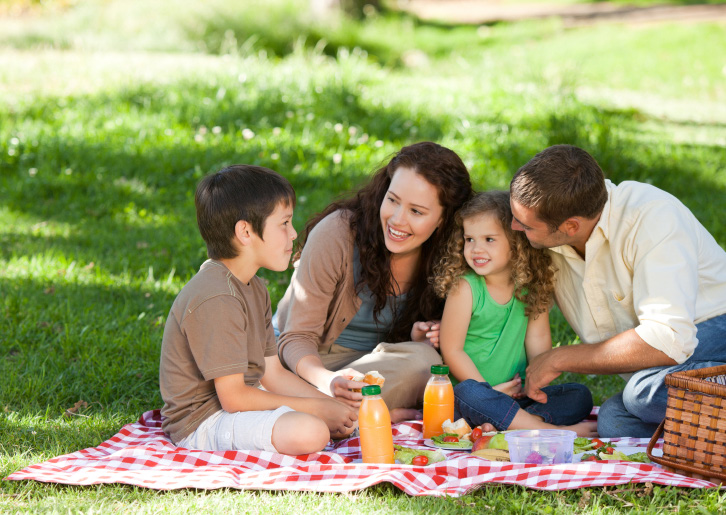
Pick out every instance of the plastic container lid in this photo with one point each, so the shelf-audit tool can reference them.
(371, 389)
(439, 369)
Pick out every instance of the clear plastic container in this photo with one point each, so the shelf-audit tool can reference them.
(541, 446)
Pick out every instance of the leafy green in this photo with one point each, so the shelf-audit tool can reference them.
(406, 455)
(462, 444)
(639, 457)
(582, 444)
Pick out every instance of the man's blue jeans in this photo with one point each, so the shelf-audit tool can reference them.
(478, 403)
(637, 410)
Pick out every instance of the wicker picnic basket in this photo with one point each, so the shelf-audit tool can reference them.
(694, 428)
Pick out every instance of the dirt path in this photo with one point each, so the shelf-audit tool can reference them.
(476, 12)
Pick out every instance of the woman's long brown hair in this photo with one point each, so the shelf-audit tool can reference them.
(443, 169)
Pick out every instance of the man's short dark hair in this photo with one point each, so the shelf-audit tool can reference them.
(238, 192)
(560, 182)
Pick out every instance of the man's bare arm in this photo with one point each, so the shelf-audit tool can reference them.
(623, 353)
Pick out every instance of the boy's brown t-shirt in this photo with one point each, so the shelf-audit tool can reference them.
(217, 326)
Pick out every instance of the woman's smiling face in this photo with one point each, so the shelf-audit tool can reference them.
(410, 212)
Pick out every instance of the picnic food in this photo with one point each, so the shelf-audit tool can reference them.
(406, 455)
(498, 441)
(541, 446)
(491, 441)
(639, 457)
(372, 377)
(475, 434)
(420, 460)
(582, 444)
(492, 454)
(459, 428)
(374, 422)
(438, 401)
(450, 441)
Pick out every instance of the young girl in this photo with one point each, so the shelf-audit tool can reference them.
(498, 291)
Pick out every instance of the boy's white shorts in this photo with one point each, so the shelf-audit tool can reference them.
(241, 431)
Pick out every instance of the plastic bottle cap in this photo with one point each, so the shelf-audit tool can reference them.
(371, 389)
(439, 369)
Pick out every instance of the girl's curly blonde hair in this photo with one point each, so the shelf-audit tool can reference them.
(532, 269)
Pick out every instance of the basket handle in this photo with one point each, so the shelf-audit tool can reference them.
(654, 440)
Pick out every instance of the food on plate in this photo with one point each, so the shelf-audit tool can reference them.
(372, 377)
(475, 434)
(459, 428)
(420, 460)
(406, 455)
(595, 445)
(450, 441)
(638, 457)
(492, 454)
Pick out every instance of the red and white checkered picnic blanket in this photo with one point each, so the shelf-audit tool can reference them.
(141, 454)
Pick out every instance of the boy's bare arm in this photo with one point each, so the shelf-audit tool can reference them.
(278, 379)
(235, 395)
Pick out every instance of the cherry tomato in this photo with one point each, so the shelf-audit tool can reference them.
(609, 450)
(475, 434)
(452, 439)
(420, 460)
(598, 442)
(590, 458)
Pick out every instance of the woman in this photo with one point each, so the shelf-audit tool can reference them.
(363, 277)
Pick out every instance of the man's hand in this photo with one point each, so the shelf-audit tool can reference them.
(540, 373)
(513, 387)
(427, 332)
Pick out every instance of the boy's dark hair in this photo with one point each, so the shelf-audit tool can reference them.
(238, 192)
(560, 182)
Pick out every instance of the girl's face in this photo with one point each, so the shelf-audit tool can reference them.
(410, 212)
(486, 246)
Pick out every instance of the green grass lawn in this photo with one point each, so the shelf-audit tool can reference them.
(110, 112)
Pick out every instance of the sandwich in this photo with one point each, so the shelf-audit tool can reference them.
(372, 377)
(459, 428)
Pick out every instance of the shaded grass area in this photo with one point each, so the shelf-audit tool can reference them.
(97, 227)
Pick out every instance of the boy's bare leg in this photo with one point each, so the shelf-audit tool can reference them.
(297, 433)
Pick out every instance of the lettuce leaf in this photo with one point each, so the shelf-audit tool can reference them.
(405, 455)
(461, 444)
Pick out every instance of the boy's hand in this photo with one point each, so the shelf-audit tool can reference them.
(427, 332)
(513, 388)
(341, 387)
(339, 417)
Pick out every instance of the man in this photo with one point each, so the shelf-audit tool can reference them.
(639, 279)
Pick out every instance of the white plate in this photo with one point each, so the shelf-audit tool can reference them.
(430, 443)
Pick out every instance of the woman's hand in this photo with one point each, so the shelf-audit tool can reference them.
(513, 387)
(341, 387)
(427, 332)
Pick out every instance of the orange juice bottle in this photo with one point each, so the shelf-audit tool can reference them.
(374, 424)
(438, 401)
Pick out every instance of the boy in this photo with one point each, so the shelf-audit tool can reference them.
(219, 346)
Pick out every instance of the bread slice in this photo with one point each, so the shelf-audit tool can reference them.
(460, 427)
(372, 377)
